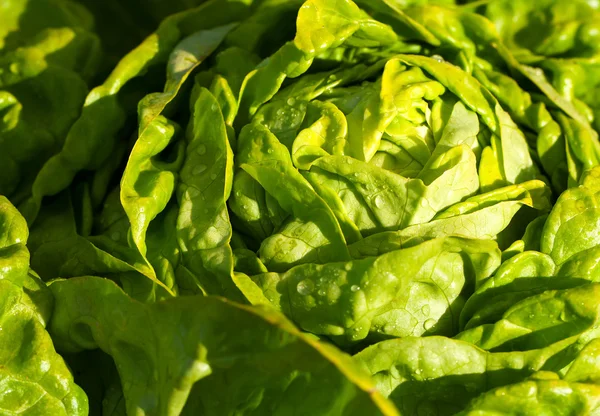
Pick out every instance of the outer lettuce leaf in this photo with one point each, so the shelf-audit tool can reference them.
(572, 224)
(442, 376)
(34, 378)
(24, 20)
(60, 248)
(538, 396)
(250, 367)
(45, 64)
(94, 135)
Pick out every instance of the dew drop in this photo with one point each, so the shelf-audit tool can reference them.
(437, 58)
(270, 151)
(14, 68)
(354, 288)
(563, 316)
(390, 328)
(378, 201)
(193, 191)
(198, 169)
(305, 287)
(425, 310)
(201, 149)
(348, 267)
(291, 101)
(213, 176)
(333, 293)
(322, 292)
(430, 323)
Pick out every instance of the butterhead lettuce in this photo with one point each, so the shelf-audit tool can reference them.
(282, 207)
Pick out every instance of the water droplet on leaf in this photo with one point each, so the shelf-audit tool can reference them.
(198, 169)
(563, 316)
(430, 323)
(305, 287)
(333, 293)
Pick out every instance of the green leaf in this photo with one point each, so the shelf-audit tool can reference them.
(203, 227)
(408, 292)
(539, 397)
(174, 357)
(441, 375)
(539, 320)
(35, 379)
(574, 211)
